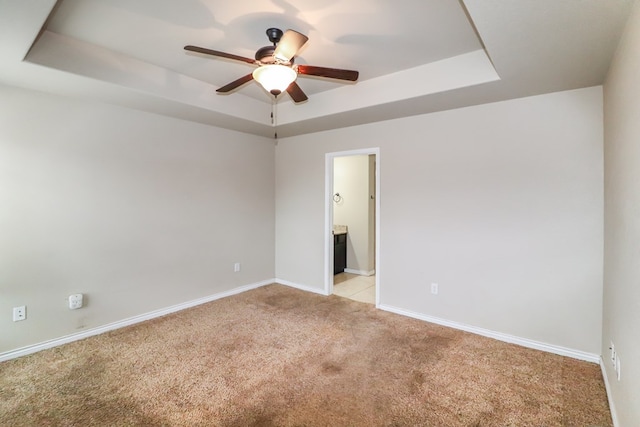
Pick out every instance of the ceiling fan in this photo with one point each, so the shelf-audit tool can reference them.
(276, 70)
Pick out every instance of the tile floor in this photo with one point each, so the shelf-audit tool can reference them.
(355, 287)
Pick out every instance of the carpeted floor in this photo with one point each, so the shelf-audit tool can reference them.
(276, 356)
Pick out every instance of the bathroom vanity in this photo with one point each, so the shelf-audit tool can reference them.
(339, 248)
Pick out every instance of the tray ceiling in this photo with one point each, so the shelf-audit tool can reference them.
(428, 55)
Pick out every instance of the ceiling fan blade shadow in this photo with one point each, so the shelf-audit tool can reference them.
(289, 45)
(296, 93)
(332, 73)
(235, 84)
(219, 54)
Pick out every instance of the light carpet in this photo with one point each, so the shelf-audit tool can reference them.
(277, 356)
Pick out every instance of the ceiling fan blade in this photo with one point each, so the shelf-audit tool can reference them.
(296, 93)
(236, 83)
(333, 73)
(220, 54)
(290, 43)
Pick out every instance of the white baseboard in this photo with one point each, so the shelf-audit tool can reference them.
(301, 287)
(360, 272)
(576, 354)
(612, 407)
(525, 342)
(23, 351)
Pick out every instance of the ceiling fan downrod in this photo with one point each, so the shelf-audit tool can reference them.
(274, 34)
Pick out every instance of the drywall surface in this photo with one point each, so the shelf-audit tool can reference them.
(621, 310)
(136, 211)
(500, 204)
(352, 181)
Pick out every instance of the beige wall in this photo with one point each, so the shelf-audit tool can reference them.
(500, 204)
(139, 212)
(622, 223)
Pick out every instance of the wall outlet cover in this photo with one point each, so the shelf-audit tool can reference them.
(75, 301)
(19, 313)
(613, 354)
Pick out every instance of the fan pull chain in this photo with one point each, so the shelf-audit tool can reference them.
(274, 116)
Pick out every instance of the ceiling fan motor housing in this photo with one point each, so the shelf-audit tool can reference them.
(265, 55)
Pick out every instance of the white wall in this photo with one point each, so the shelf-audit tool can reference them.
(622, 223)
(352, 180)
(501, 204)
(139, 212)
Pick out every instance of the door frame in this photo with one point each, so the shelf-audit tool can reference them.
(328, 225)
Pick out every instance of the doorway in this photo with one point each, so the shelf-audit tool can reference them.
(358, 206)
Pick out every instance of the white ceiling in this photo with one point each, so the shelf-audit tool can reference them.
(414, 56)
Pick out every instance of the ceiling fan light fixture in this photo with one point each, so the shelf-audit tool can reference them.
(276, 72)
(275, 78)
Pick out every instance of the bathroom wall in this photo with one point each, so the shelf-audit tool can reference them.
(352, 180)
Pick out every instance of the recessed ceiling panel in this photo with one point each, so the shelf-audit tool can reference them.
(131, 53)
(375, 37)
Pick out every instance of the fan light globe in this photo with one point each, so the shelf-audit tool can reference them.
(274, 78)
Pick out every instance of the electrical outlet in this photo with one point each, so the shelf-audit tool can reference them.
(19, 313)
(618, 366)
(613, 354)
(236, 267)
(75, 301)
(434, 288)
